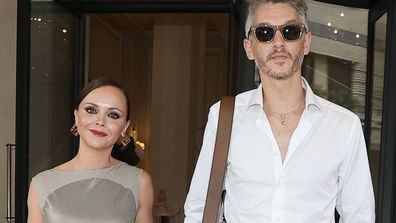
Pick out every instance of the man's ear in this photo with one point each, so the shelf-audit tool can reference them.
(307, 42)
(247, 44)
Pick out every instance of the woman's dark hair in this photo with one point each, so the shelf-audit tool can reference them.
(102, 82)
(126, 153)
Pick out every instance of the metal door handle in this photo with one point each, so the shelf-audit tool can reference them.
(10, 178)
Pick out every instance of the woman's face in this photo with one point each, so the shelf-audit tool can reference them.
(101, 117)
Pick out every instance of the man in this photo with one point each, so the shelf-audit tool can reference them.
(294, 157)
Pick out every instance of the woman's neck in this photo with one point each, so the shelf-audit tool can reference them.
(90, 158)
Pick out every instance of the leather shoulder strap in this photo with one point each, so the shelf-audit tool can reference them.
(216, 180)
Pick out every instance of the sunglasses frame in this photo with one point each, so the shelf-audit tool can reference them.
(277, 28)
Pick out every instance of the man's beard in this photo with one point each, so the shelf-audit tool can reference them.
(263, 65)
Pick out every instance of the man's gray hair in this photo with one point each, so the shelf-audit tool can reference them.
(254, 5)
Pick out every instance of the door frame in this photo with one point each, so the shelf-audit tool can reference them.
(22, 110)
(387, 183)
(386, 206)
(22, 100)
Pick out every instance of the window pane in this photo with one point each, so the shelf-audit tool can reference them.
(336, 65)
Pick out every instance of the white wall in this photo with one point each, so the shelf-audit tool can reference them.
(8, 17)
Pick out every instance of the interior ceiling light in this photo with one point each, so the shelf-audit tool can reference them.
(342, 14)
(335, 31)
(357, 35)
(329, 24)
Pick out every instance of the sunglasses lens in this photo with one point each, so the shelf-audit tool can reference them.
(291, 32)
(264, 33)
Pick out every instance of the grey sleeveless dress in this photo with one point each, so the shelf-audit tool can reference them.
(108, 195)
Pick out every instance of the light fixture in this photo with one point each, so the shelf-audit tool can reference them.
(342, 14)
(335, 31)
(357, 35)
(64, 30)
(329, 24)
(140, 144)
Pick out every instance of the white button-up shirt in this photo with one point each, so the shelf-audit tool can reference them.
(326, 167)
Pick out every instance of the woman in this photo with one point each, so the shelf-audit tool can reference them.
(94, 186)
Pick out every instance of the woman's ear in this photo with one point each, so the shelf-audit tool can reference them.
(75, 116)
(124, 130)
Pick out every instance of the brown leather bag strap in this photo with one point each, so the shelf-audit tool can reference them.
(220, 154)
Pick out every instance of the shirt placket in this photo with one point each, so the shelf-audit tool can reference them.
(278, 199)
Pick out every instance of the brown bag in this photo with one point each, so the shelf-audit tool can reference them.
(213, 212)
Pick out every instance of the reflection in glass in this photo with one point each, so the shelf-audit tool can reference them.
(376, 100)
(336, 64)
(52, 58)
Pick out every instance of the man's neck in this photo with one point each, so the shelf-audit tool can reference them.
(281, 95)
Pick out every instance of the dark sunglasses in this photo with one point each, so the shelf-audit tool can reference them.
(266, 33)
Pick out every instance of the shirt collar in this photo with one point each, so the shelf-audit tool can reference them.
(310, 98)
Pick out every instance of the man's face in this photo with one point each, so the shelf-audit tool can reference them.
(279, 58)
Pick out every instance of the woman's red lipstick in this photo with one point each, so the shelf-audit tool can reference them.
(98, 133)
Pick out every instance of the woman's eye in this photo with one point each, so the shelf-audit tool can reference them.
(91, 110)
(114, 115)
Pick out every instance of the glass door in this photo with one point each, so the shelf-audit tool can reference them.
(47, 91)
(382, 106)
(52, 74)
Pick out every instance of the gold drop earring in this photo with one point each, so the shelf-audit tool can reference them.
(74, 130)
(125, 139)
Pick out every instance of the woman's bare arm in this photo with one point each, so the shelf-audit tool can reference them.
(146, 197)
(34, 215)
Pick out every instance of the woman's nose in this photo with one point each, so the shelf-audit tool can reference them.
(100, 121)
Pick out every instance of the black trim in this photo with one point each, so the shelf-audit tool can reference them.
(22, 110)
(230, 55)
(234, 22)
(374, 15)
(145, 7)
(80, 56)
(79, 69)
(387, 189)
